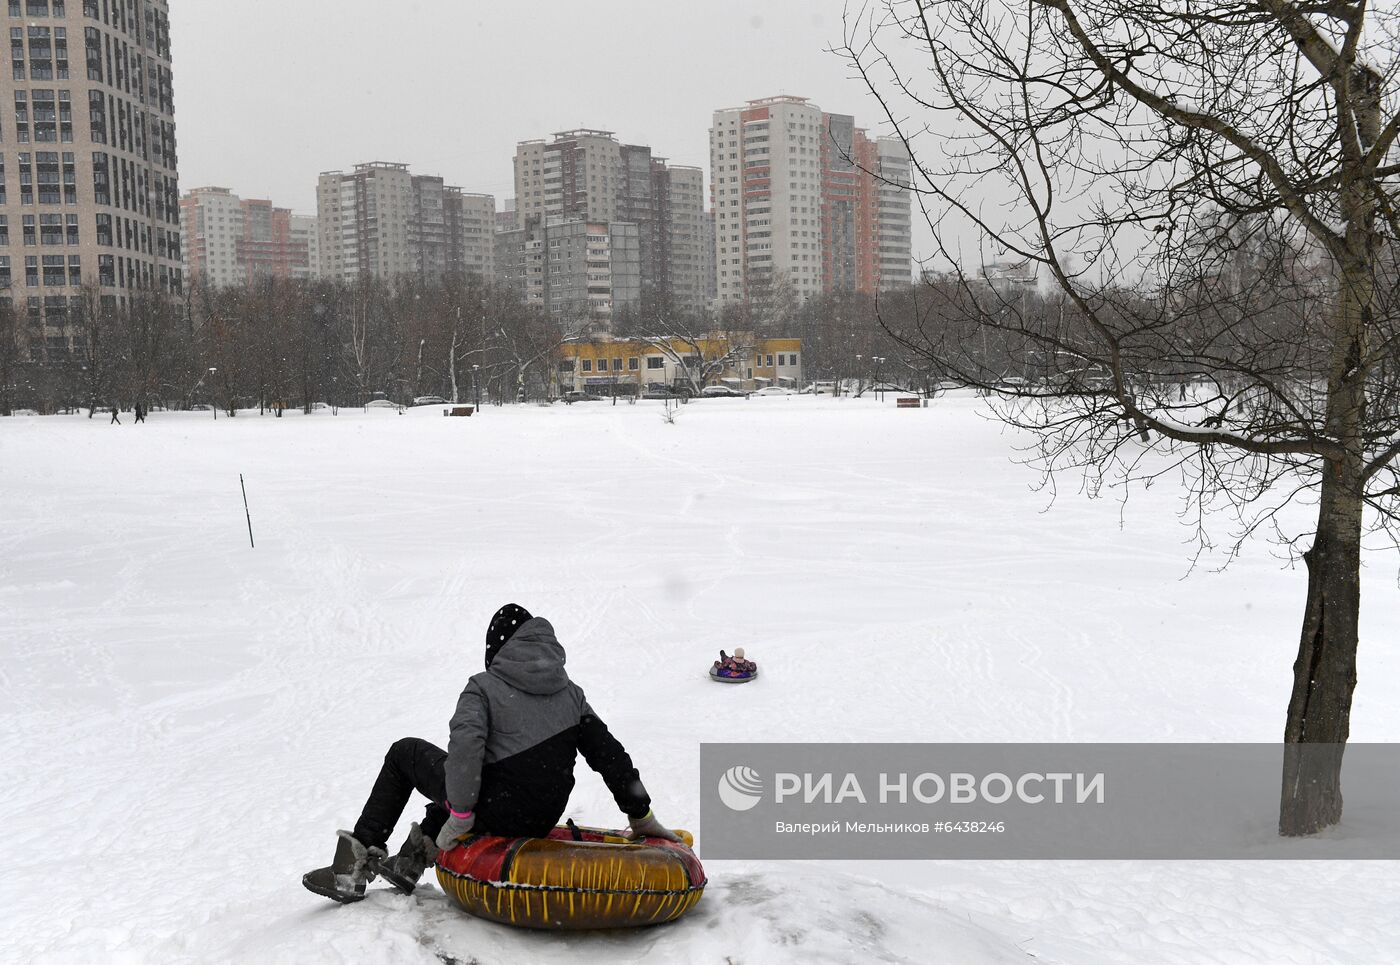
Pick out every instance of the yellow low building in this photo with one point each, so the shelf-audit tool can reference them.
(603, 365)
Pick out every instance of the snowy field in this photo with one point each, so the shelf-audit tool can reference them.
(188, 720)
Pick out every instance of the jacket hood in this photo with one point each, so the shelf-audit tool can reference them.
(532, 660)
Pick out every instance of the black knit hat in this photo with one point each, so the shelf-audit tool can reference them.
(503, 626)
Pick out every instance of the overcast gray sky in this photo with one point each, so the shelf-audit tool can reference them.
(269, 93)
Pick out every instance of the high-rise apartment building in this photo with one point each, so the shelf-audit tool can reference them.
(581, 272)
(305, 230)
(505, 216)
(382, 221)
(232, 241)
(88, 186)
(588, 175)
(806, 195)
(691, 250)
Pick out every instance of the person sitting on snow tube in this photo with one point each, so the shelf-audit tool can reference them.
(735, 666)
(508, 769)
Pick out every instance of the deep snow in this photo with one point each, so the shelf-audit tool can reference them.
(188, 720)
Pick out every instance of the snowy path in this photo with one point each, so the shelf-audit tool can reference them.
(189, 719)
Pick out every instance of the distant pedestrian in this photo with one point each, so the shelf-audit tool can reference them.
(115, 417)
(140, 413)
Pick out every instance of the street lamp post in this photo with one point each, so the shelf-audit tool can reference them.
(201, 382)
(476, 386)
(858, 375)
(879, 388)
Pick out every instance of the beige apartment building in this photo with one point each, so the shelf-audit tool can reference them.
(232, 241)
(802, 194)
(382, 221)
(88, 185)
(588, 175)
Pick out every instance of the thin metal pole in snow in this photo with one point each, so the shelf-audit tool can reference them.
(245, 510)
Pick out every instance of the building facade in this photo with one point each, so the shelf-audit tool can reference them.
(581, 272)
(804, 197)
(232, 241)
(382, 221)
(89, 195)
(587, 175)
(603, 365)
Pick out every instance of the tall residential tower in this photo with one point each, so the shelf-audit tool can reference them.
(382, 221)
(805, 195)
(588, 176)
(232, 241)
(89, 195)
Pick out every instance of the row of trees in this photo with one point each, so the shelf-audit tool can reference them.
(275, 344)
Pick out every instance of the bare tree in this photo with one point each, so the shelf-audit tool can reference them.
(9, 356)
(1212, 189)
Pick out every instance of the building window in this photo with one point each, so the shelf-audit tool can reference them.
(51, 229)
(75, 271)
(31, 237)
(770, 361)
(792, 360)
(632, 364)
(617, 365)
(106, 270)
(101, 178)
(655, 362)
(588, 365)
(97, 113)
(104, 230)
(49, 177)
(53, 271)
(31, 271)
(782, 360)
(4, 272)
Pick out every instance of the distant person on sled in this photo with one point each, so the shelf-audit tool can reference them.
(508, 769)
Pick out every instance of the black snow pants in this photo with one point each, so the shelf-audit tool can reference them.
(412, 764)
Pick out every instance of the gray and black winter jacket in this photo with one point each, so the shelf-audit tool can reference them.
(515, 734)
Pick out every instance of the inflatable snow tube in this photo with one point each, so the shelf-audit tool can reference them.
(727, 677)
(576, 878)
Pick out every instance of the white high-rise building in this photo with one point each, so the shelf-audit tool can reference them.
(232, 240)
(382, 221)
(213, 227)
(801, 195)
(305, 230)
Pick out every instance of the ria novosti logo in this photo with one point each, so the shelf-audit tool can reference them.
(740, 788)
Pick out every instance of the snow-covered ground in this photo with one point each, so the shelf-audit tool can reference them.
(186, 720)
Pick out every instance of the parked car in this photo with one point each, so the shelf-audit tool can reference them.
(572, 397)
(773, 390)
(430, 400)
(721, 391)
(381, 404)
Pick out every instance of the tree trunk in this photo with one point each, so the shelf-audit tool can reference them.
(452, 365)
(1324, 675)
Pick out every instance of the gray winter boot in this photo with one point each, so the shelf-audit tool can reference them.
(405, 868)
(353, 868)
